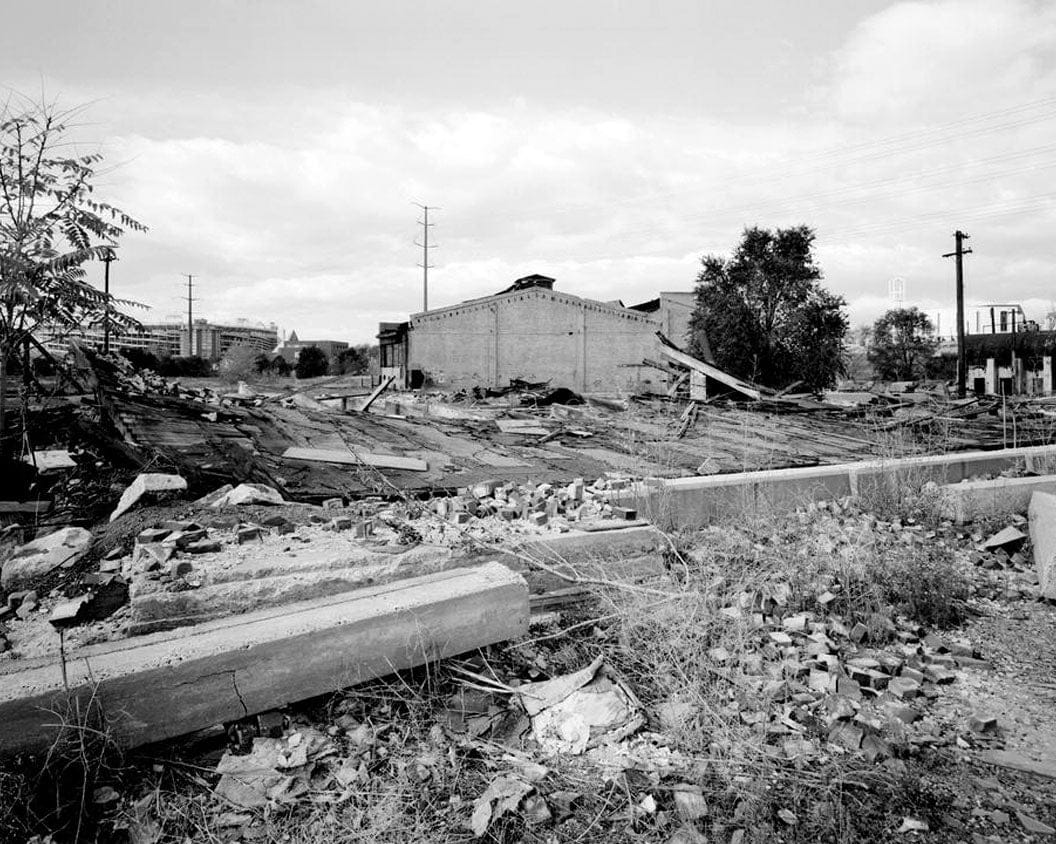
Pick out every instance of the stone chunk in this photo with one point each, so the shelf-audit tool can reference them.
(151, 485)
(1009, 540)
(249, 533)
(152, 535)
(249, 494)
(204, 546)
(36, 559)
(982, 724)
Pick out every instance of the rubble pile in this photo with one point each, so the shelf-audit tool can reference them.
(562, 507)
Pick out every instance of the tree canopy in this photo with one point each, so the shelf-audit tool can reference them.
(51, 226)
(311, 362)
(765, 314)
(902, 344)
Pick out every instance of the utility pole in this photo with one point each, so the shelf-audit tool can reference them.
(959, 253)
(190, 315)
(425, 265)
(110, 256)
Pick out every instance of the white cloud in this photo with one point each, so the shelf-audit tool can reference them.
(937, 61)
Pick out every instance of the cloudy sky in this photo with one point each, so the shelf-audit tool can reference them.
(275, 148)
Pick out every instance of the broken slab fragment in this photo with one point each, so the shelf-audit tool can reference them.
(249, 494)
(1043, 535)
(36, 559)
(1009, 539)
(150, 484)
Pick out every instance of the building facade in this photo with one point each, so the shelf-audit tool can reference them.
(291, 348)
(1011, 364)
(531, 332)
(168, 339)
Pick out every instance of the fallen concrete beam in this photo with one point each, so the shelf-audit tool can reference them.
(691, 502)
(166, 685)
(971, 500)
(1043, 537)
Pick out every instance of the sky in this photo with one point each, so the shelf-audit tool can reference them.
(276, 150)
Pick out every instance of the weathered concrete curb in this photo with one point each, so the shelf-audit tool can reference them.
(1043, 536)
(166, 685)
(971, 500)
(692, 502)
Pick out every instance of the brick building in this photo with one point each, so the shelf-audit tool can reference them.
(535, 333)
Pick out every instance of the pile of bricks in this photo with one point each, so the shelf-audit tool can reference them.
(538, 504)
(862, 684)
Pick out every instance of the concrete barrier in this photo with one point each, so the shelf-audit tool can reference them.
(692, 502)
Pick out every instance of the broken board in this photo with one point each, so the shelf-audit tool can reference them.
(357, 458)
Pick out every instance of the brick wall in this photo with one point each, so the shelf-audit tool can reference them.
(536, 335)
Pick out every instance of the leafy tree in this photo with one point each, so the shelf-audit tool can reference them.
(141, 358)
(902, 344)
(185, 367)
(50, 227)
(237, 363)
(311, 362)
(765, 314)
(281, 366)
(355, 360)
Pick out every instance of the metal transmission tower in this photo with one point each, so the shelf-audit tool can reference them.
(426, 246)
(896, 290)
(959, 253)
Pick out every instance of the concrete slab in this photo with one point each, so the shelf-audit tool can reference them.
(971, 500)
(160, 686)
(1043, 536)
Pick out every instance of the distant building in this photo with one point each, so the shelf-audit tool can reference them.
(1011, 364)
(530, 331)
(987, 318)
(168, 339)
(291, 347)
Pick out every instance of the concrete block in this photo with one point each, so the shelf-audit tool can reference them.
(164, 685)
(1043, 535)
(150, 485)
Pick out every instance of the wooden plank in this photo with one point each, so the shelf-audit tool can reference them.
(691, 362)
(521, 426)
(357, 458)
(164, 685)
(373, 397)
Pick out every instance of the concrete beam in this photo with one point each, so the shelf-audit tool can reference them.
(971, 500)
(692, 502)
(168, 684)
(1043, 537)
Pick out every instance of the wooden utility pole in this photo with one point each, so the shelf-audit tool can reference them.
(959, 253)
(106, 290)
(426, 225)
